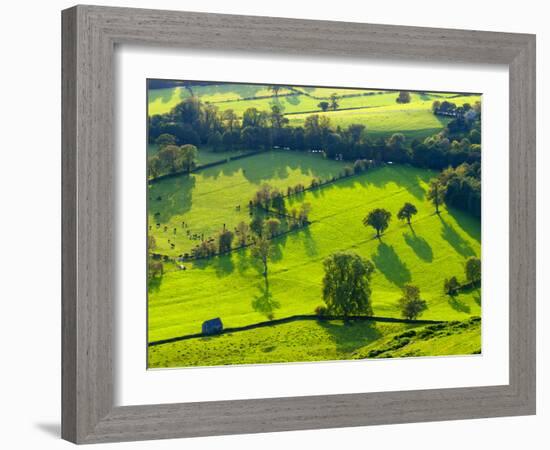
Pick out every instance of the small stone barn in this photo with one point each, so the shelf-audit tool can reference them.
(212, 326)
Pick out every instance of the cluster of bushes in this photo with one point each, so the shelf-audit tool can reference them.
(171, 158)
(472, 272)
(462, 187)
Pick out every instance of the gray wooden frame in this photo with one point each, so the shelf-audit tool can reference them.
(89, 37)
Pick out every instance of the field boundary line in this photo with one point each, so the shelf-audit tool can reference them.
(299, 317)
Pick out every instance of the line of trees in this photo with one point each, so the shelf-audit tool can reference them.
(347, 291)
(192, 122)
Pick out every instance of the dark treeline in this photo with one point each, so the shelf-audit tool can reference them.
(458, 144)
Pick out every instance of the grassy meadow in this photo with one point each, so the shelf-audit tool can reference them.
(188, 208)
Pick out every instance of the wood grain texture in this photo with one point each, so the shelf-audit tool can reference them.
(90, 34)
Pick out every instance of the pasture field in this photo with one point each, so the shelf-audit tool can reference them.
(232, 287)
(376, 109)
(321, 341)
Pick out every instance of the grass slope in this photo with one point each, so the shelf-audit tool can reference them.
(321, 341)
(379, 111)
(231, 287)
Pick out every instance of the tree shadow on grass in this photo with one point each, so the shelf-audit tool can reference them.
(390, 265)
(419, 245)
(170, 197)
(223, 265)
(263, 302)
(467, 222)
(456, 241)
(459, 305)
(153, 284)
(351, 336)
(310, 245)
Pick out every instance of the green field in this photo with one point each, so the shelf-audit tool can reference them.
(231, 287)
(321, 341)
(378, 110)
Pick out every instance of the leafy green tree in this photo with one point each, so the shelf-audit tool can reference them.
(189, 155)
(261, 249)
(473, 269)
(436, 193)
(275, 89)
(334, 102)
(215, 141)
(243, 231)
(169, 157)
(451, 286)
(346, 284)
(154, 166)
(257, 225)
(277, 118)
(323, 105)
(155, 269)
(406, 212)
(230, 120)
(278, 201)
(272, 226)
(225, 239)
(303, 213)
(411, 304)
(165, 139)
(262, 197)
(379, 219)
(403, 97)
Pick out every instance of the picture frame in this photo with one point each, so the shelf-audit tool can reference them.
(90, 35)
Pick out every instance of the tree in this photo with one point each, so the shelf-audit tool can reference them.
(188, 155)
(169, 157)
(473, 270)
(346, 284)
(324, 105)
(406, 212)
(151, 243)
(403, 97)
(215, 141)
(261, 249)
(451, 286)
(257, 225)
(243, 231)
(303, 213)
(378, 219)
(436, 193)
(272, 226)
(155, 269)
(263, 196)
(334, 102)
(278, 201)
(230, 119)
(165, 139)
(275, 89)
(225, 239)
(411, 304)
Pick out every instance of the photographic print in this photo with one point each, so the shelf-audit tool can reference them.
(301, 223)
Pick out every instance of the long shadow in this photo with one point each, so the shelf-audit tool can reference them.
(459, 305)
(419, 245)
(310, 245)
(263, 302)
(154, 283)
(223, 265)
(351, 336)
(390, 265)
(455, 240)
(170, 197)
(467, 222)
